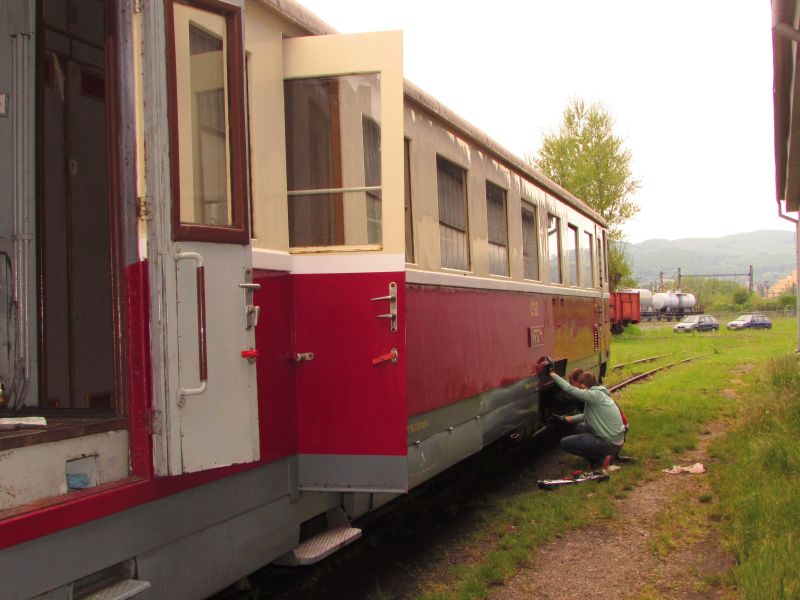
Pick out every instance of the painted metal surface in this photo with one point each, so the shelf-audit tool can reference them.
(463, 342)
(217, 422)
(186, 542)
(345, 404)
(344, 415)
(39, 471)
(624, 308)
(277, 412)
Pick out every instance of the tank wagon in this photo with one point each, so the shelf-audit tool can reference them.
(667, 306)
(253, 280)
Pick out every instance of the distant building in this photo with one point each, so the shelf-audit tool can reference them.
(783, 286)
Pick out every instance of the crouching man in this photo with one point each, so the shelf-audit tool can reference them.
(600, 429)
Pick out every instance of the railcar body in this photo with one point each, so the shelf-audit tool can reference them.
(666, 306)
(253, 279)
(624, 309)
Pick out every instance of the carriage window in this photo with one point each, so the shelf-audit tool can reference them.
(599, 262)
(372, 178)
(498, 229)
(572, 254)
(604, 258)
(554, 247)
(407, 202)
(207, 105)
(453, 222)
(530, 241)
(333, 160)
(587, 260)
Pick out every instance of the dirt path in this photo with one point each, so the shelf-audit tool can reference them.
(668, 513)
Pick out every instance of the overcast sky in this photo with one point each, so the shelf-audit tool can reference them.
(689, 83)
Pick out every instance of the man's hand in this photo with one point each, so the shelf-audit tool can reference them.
(557, 419)
(548, 365)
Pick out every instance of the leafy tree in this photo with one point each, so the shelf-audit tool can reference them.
(620, 273)
(586, 158)
(741, 296)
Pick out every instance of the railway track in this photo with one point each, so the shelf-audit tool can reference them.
(415, 531)
(636, 362)
(641, 376)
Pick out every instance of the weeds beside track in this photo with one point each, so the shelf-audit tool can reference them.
(667, 418)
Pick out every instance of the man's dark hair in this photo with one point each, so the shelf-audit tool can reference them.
(588, 379)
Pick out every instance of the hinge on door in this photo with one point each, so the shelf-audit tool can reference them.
(137, 6)
(143, 208)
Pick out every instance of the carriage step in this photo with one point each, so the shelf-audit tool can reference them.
(320, 546)
(119, 590)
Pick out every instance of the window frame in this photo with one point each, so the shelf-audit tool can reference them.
(465, 195)
(238, 232)
(504, 194)
(527, 205)
(573, 236)
(408, 212)
(559, 250)
(591, 270)
(367, 123)
(599, 244)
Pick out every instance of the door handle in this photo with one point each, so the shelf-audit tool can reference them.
(251, 311)
(392, 314)
(200, 274)
(391, 356)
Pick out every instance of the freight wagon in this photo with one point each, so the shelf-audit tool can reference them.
(624, 309)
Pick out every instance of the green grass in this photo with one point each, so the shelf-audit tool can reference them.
(667, 417)
(759, 484)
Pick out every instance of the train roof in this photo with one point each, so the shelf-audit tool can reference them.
(786, 99)
(305, 19)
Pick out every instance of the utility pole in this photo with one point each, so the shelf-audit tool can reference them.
(679, 279)
(661, 281)
(750, 285)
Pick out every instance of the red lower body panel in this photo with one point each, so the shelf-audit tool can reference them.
(462, 342)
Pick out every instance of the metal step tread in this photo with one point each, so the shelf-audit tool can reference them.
(324, 544)
(119, 590)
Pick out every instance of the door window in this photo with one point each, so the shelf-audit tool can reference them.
(207, 124)
(333, 160)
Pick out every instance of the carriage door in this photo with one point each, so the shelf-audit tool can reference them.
(211, 409)
(343, 103)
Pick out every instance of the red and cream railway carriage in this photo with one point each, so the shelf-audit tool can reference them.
(252, 279)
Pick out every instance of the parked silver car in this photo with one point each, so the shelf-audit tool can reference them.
(696, 323)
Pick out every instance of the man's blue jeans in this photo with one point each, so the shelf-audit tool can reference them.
(586, 444)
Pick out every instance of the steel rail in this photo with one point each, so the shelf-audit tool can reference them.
(636, 378)
(636, 362)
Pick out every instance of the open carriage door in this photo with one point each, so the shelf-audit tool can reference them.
(344, 128)
(211, 417)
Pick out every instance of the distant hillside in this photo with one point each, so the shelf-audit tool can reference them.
(771, 252)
